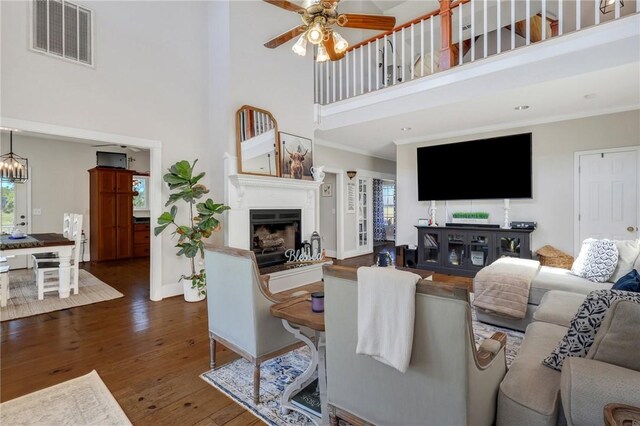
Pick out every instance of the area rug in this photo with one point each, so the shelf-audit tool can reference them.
(85, 400)
(24, 295)
(236, 378)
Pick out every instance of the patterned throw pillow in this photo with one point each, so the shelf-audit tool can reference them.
(585, 324)
(596, 261)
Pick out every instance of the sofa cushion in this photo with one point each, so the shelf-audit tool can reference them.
(550, 278)
(528, 383)
(628, 251)
(629, 282)
(597, 260)
(559, 307)
(584, 326)
(618, 339)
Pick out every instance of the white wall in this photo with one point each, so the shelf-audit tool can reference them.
(328, 216)
(553, 185)
(151, 80)
(59, 178)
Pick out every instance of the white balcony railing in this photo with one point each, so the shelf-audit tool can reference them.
(473, 30)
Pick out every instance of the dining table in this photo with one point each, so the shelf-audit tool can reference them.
(43, 243)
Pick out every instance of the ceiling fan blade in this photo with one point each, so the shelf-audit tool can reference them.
(285, 37)
(368, 22)
(284, 4)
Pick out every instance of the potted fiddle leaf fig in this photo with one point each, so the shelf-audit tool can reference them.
(184, 186)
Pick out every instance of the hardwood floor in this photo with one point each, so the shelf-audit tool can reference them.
(149, 354)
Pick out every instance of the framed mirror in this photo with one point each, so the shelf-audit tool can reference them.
(257, 142)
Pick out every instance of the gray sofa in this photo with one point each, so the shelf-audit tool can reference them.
(533, 394)
(548, 278)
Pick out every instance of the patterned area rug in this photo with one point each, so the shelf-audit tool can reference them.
(236, 379)
(24, 295)
(85, 400)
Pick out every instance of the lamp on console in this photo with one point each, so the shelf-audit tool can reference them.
(351, 173)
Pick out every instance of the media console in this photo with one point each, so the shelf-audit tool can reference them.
(464, 250)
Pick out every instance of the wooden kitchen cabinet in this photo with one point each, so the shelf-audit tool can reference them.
(111, 213)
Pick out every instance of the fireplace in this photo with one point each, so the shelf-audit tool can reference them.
(273, 232)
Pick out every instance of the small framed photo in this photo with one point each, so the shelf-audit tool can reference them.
(326, 190)
(296, 154)
(351, 197)
(423, 222)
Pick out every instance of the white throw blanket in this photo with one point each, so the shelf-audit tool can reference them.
(386, 314)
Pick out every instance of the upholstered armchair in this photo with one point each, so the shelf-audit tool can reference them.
(238, 303)
(448, 382)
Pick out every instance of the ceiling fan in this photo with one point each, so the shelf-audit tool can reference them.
(318, 18)
(130, 148)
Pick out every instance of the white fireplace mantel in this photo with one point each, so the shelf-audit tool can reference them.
(243, 181)
(245, 192)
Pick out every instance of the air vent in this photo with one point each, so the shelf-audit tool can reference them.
(62, 29)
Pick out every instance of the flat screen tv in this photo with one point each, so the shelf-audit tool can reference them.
(492, 168)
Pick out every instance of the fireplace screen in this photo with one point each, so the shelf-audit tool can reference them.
(273, 232)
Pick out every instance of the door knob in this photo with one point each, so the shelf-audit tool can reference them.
(630, 228)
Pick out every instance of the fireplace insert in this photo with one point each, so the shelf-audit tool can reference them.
(273, 232)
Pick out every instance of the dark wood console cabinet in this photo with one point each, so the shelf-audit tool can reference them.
(111, 213)
(464, 250)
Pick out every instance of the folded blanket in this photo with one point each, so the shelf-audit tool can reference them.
(503, 287)
(386, 314)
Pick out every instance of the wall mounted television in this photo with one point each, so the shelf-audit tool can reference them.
(492, 168)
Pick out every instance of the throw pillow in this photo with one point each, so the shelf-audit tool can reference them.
(628, 251)
(585, 324)
(596, 261)
(629, 282)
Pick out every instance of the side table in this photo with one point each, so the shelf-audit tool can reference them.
(295, 314)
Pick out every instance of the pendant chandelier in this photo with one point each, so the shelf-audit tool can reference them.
(13, 168)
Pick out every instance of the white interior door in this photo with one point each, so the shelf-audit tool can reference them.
(608, 195)
(15, 206)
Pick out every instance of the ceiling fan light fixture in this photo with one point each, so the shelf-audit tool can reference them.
(322, 55)
(301, 45)
(339, 42)
(315, 34)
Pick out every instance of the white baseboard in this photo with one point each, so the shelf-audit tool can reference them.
(171, 290)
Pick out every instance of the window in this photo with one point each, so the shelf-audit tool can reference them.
(62, 29)
(389, 205)
(140, 201)
(8, 206)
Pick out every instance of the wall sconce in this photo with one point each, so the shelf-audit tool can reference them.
(351, 173)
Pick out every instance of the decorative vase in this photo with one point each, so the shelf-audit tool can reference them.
(453, 258)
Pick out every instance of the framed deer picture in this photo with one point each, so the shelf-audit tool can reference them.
(296, 155)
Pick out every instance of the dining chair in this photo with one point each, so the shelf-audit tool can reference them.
(52, 267)
(67, 219)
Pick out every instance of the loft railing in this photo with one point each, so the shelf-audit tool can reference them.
(460, 32)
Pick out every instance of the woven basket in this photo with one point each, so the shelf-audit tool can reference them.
(551, 256)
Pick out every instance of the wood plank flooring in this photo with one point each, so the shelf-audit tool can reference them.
(149, 354)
